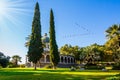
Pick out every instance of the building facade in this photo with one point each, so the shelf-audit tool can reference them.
(65, 60)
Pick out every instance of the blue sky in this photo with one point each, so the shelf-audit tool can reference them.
(77, 22)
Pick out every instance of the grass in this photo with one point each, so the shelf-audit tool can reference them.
(48, 74)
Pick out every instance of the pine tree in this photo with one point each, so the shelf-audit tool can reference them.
(54, 54)
(35, 47)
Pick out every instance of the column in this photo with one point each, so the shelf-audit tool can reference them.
(67, 59)
(26, 59)
(64, 59)
(44, 58)
(70, 60)
(60, 59)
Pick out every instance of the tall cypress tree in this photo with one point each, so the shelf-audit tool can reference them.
(35, 48)
(54, 54)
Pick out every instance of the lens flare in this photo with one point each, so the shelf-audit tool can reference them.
(12, 12)
(3, 9)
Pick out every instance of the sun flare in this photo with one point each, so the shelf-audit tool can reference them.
(3, 8)
(11, 12)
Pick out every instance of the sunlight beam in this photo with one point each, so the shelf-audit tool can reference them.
(11, 12)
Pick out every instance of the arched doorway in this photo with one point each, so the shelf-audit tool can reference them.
(68, 60)
(61, 59)
(72, 60)
(48, 58)
(42, 58)
(65, 59)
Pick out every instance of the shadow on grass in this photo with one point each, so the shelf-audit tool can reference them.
(50, 75)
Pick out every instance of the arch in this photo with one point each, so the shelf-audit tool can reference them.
(48, 58)
(65, 59)
(69, 60)
(72, 60)
(42, 58)
(61, 59)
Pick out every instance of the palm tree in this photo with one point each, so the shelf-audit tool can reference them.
(112, 31)
(113, 34)
(112, 45)
(16, 59)
(27, 43)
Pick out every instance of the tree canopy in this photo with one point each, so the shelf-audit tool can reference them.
(4, 60)
(16, 59)
(54, 54)
(35, 46)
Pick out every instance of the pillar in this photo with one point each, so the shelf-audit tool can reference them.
(60, 59)
(63, 59)
(44, 58)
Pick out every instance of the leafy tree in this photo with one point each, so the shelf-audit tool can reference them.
(35, 46)
(83, 53)
(112, 45)
(27, 44)
(112, 31)
(54, 54)
(76, 52)
(65, 50)
(89, 54)
(4, 60)
(93, 54)
(71, 50)
(16, 59)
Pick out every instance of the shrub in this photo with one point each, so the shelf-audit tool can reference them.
(72, 68)
(116, 77)
(22, 65)
(93, 66)
(77, 67)
(116, 66)
(4, 62)
(48, 66)
(11, 65)
(113, 78)
(0, 66)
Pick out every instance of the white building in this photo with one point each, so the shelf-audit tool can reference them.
(65, 60)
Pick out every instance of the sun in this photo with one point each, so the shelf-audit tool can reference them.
(3, 8)
(13, 12)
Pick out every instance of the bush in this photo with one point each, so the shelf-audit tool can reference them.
(72, 68)
(77, 67)
(116, 66)
(93, 66)
(22, 65)
(4, 62)
(48, 66)
(11, 65)
(116, 77)
(0, 66)
(113, 78)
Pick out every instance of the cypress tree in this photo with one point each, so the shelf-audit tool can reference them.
(35, 48)
(54, 54)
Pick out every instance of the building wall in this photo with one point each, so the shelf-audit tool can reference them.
(65, 61)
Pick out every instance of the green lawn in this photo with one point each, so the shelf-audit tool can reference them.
(59, 74)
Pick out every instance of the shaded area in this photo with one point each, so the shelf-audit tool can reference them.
(44, 74)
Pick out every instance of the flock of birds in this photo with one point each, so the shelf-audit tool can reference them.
(87, 32)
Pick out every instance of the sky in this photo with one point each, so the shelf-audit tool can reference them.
(77, 22)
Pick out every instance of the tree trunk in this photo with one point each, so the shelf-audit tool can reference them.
(35, 66)
(39, 64)
(16, 63)
(80, 62)
(54, 67)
